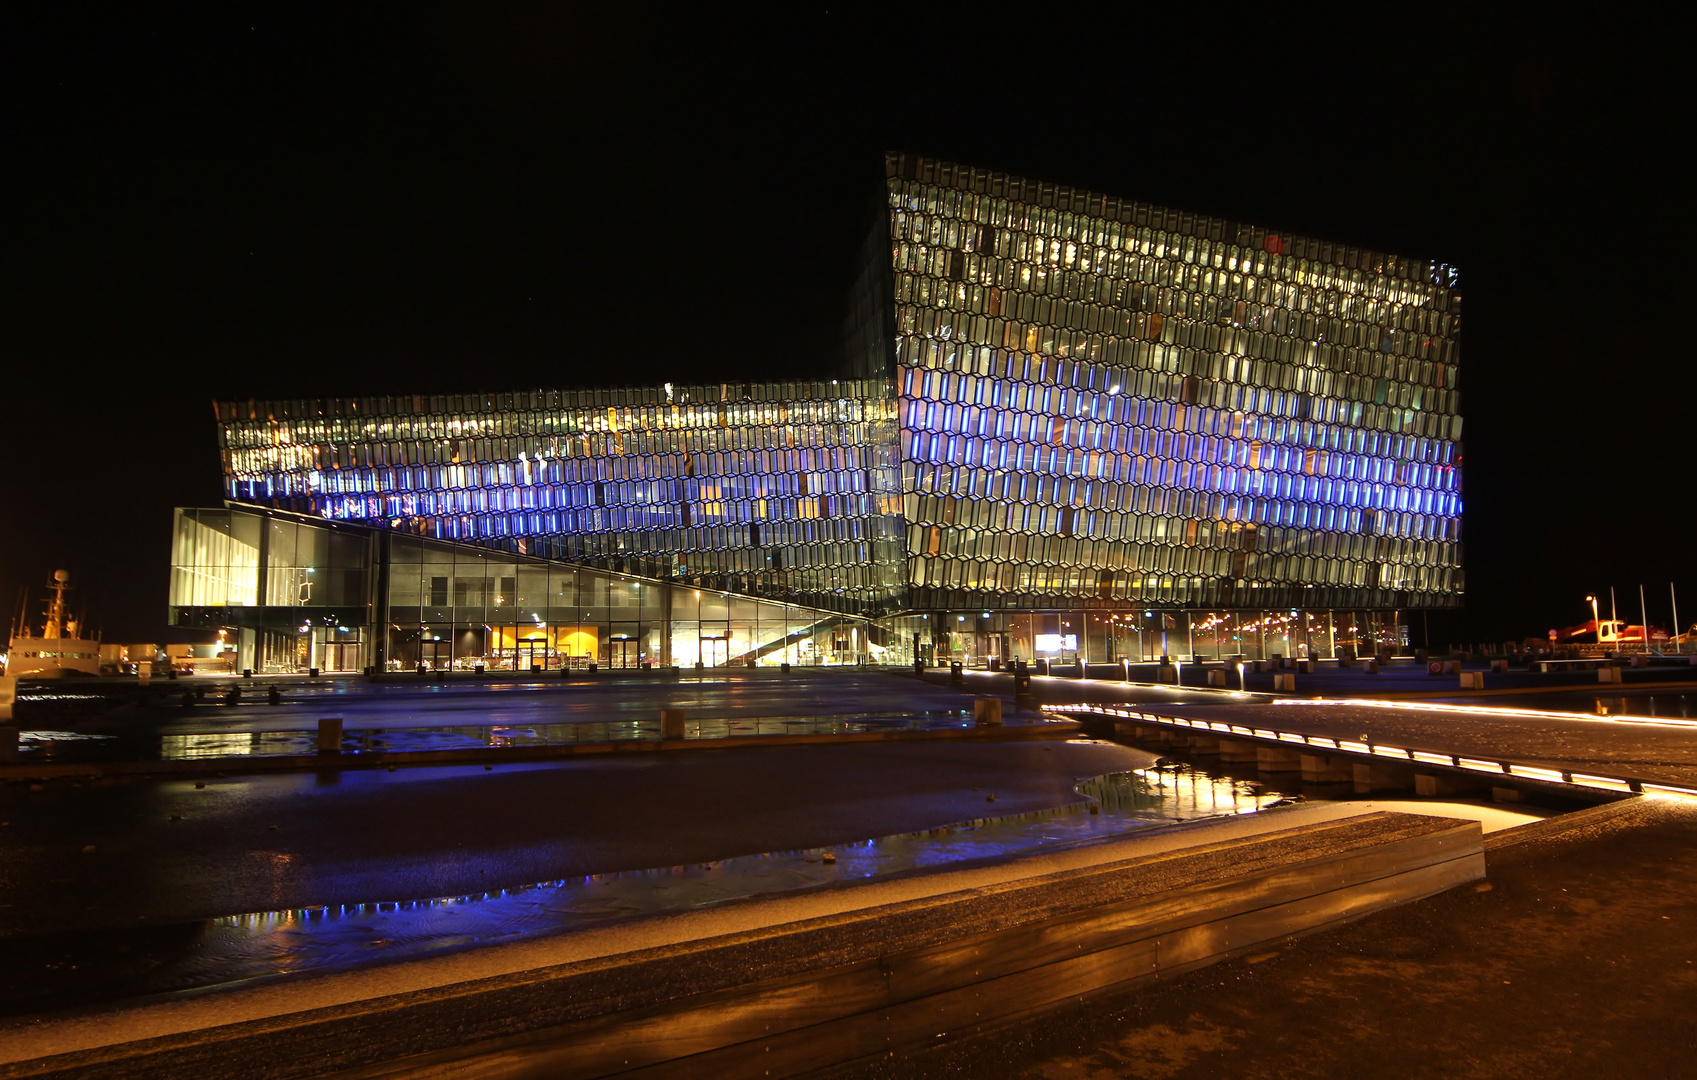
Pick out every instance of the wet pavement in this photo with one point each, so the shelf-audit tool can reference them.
(463, 714)
(54, 970)
(1577, 958)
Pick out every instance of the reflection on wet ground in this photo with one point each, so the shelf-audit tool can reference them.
(105, 965)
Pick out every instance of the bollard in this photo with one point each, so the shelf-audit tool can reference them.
(987, 711)
(274, 696)
(477, 669)
(1284, 682)
(247, 673)
(233, 695)
(784, 667)
(8, 742)
(594, 667)
(1473, 680)
(330, 735)
(312, 673)
(535, 668)
(919, 667)
(671, 723)
(751, 661)
(1021, 678)
(956, 675)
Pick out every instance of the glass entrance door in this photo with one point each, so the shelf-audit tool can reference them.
(342, 655)
(533, 652)
(715, 651)
(433, 655)
(623, 653)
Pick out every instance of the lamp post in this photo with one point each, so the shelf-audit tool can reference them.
(1595, 628)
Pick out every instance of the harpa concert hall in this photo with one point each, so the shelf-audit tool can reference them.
(1065, 426)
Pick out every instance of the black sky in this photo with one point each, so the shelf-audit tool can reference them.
(259, 201)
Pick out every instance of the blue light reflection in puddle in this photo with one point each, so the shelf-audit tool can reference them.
(262, 945)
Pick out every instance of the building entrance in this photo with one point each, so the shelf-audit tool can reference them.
(532, 652)
(342, 656)
(715, 651)
(434, 655)
(623, 653)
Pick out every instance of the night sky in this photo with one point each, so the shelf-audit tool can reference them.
(264, 203)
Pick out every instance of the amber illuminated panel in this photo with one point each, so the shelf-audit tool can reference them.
(1109, 401)
(781, 489)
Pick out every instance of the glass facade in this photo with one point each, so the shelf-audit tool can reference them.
(1103, 400)
(1068, 426)
(784, 490)
(342, 597)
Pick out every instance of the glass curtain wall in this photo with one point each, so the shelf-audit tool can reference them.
(781, 490)
(1105, 401)
(296, 591)
(457, 607)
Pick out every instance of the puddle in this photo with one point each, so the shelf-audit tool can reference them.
(263, 945)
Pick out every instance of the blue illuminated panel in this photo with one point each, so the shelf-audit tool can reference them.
(786, 490)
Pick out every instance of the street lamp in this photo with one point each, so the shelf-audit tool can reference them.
(1595, 627)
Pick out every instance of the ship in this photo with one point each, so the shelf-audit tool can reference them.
(60, 650)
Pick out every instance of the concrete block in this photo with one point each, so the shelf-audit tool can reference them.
(1499, 665)
(1320, 769)
(1305, 666)
(1205, 744)
(1506, 795)
(1236, 751)
(1258, 666)
(1608, 674)
(987, 711)
(671, 723)
(1216, 677)
(1438, 784)
(1639, 660)
(1167, 673)
(1284, 683)
(1473, 680)
(1276, 759)
(1372, 776)
(1372, 666)
(330, 735)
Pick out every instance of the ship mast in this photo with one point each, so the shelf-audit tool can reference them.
(55, 627)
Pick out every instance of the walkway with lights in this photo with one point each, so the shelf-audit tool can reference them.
(1608, 753)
